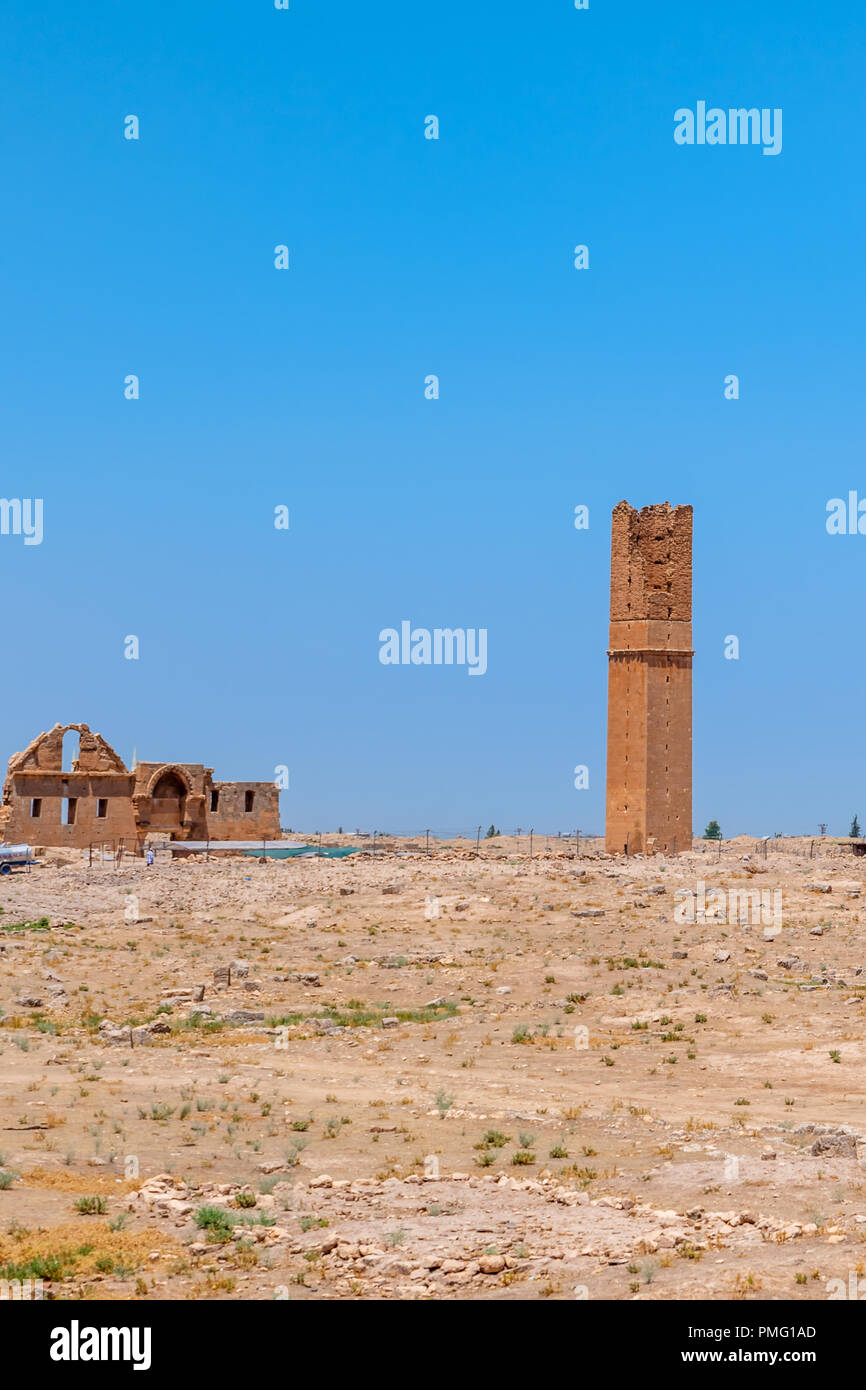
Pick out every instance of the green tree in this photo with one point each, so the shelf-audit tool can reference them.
(855, 831)
(491, 833)
(713, 831)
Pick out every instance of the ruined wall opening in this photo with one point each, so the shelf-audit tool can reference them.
(248, 801)
(69, 807)
(70, 750)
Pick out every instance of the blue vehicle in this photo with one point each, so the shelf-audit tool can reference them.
(15, 857)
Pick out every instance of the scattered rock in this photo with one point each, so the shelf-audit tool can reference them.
(842, 1145)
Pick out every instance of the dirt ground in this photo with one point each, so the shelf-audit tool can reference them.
(436, 1076)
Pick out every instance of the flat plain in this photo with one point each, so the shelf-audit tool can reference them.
(436, 1076)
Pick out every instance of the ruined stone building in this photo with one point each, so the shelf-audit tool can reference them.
(97, 799)
(649, 719)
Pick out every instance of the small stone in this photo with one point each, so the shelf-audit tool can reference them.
(121, 1037)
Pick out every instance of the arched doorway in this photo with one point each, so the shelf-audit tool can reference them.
(168, 804)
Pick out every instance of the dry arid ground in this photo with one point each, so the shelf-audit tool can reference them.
(433, 1077)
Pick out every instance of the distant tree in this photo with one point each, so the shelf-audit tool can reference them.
(713, 831)
(491, 833)
(855, 832)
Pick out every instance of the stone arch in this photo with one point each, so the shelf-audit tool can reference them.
(167, 770)
(169, 790)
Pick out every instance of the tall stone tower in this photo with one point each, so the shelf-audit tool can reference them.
(649, 713)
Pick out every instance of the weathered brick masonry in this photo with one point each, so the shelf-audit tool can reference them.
(98, 799)
(649, 722)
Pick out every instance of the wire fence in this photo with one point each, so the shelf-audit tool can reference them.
(520, 842)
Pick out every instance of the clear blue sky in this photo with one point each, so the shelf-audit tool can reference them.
(558, 387)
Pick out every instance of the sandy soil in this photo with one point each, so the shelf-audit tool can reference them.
(440, 1077)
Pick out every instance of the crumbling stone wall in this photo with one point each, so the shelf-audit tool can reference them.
(90, 803)
(46, 752)
(234, 821)
(179, 801)
(649, 735)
